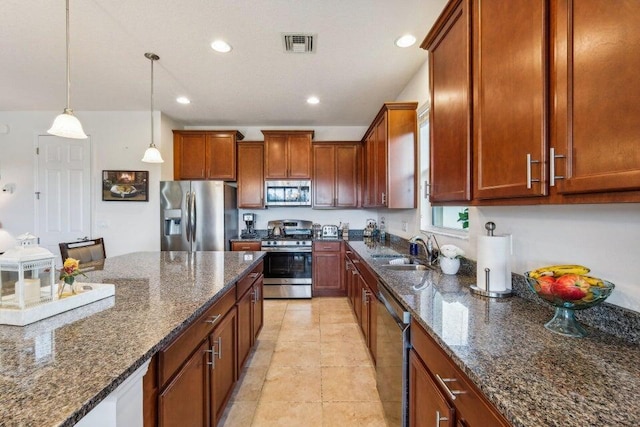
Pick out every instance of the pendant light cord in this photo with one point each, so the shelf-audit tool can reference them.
(68, 63)
(152, 143)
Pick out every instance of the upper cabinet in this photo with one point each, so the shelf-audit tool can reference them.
(596, 57)
(251, 175)
(287, 154)
(510, 98)
(449, 48)
(390, 146)
(554, 104)
(336, 175)
(205, 154)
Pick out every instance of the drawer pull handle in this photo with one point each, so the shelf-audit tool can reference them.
(326, 247)
(355, 261)
(253, 275)
(443, 382)
(439, 418)
(213, 319)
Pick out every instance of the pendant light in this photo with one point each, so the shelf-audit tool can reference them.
(152, 155)
(66, 124)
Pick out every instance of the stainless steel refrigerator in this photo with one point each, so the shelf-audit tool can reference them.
(197, 215)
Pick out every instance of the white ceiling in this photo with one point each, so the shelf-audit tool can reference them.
(355, 69)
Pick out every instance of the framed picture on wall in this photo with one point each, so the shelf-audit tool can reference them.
(125, 186)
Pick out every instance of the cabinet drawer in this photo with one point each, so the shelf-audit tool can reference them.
(246, 246)
(248, 280)
(326, 246)
(177, 352)
(471, 406)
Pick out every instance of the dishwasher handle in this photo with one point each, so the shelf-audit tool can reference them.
(399, 314)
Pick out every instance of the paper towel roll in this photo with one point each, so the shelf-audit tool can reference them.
(494, 253)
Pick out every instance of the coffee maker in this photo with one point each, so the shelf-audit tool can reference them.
(249, 220)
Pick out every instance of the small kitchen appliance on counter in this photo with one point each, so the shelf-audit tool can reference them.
(249, 220)
(329, 231)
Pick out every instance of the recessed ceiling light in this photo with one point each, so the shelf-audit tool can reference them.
(221, 46)
(313, 100)
(183, 100)
(405, 41)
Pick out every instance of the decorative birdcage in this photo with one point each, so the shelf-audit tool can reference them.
(27, 274)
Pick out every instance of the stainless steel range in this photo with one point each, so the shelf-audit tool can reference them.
(287, 268)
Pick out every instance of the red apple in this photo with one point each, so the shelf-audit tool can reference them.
(545, 283)
(570, 287)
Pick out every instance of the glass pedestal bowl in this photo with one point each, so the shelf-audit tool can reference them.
(568, 293)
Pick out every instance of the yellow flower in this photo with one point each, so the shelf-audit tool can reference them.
(71, 265)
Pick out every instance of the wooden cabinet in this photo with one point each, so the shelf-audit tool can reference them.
(327, 269)
(545, 127)
(250, 312)
(436, 385)
(390, 146)
(191, 380)
(449, 48)
(287, 154)
(510, 98)
(194, 375)
(223, 364)
(205, 154)
(427, 405)
(362, 291)
(336, 175)
(249, 245)
(595, 125)
(251, 175)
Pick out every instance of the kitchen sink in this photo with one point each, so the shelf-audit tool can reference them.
(406, 267)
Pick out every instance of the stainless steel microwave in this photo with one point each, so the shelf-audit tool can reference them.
(288, 193)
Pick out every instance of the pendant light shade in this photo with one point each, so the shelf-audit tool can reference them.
(66, 124)
(152, 154)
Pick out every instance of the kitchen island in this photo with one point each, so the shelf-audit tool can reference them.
(532, 376)
(55, 371)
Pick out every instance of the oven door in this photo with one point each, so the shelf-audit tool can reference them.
(288, 265)
(287, 274)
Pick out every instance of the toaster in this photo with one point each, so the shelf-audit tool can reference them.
(330, 231)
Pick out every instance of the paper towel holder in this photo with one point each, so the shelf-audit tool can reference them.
(489, 293)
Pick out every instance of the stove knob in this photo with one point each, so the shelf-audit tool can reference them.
(297, 243)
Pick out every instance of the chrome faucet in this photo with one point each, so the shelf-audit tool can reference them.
(431, 252)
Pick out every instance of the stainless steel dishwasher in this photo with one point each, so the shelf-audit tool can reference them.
(392, 358)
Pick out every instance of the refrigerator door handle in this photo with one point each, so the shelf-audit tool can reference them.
(194, 218)
(188, 207)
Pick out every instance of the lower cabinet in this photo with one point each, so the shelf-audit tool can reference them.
(327, 269)
(427, 404)
(222, 363)
(250, 314)
(194, 375)
(438, 389)
(185, 400)
(248, 245)
(362, 289)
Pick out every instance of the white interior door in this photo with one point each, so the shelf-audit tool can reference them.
(63, 191)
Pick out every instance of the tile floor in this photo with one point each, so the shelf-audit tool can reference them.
(310, 367)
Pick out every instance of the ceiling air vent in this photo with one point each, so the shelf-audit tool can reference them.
(299, 42)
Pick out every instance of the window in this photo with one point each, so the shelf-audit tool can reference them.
(435, 217)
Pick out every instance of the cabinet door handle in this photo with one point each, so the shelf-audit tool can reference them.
(384, 198)
(443, 382)
(439, 418)
(552, 166)
(219, 352)
(211, 363)
(529, 179)
(213, 319)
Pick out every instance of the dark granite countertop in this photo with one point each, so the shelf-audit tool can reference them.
(533, 376)
(55, 371)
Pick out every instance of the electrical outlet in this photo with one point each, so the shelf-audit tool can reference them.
(405, 226)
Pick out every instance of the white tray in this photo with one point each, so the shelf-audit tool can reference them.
(21, 317)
